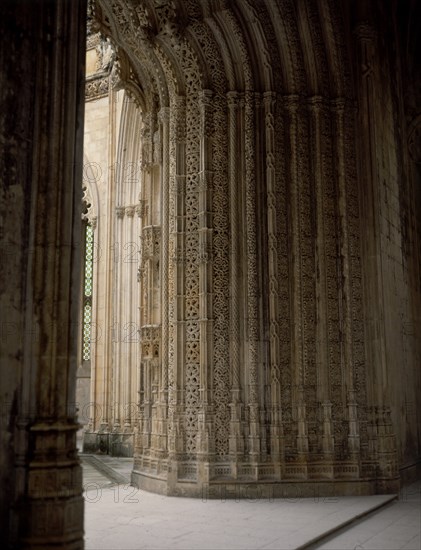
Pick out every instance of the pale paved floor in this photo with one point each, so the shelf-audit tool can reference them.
(118, 516)
(397, 525)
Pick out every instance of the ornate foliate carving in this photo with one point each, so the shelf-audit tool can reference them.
(150, 242)
(88, 211)
(96, 88)
(93, 39)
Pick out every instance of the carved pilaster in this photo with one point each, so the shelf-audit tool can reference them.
(147, 139)
(273, 274)
(236, 444)
(205, 426)
(164, 119)
(297, 337)
(176, 349)
(328, 441)
(252, 282)
(353, 429)
(221, 389)
(339, 106)
(192, 327)
(116, 384)
(317, 107)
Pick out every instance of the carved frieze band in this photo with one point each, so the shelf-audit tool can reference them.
(96, 88)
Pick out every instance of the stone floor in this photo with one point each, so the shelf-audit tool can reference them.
(118, 516)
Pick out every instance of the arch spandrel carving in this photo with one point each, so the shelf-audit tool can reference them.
(115, 19)
(290, 50)
(314, 48)
(257, 45)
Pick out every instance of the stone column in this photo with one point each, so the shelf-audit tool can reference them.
(116, 396)
(131, 327)
(252, 281)
(42, 100)
(205, 446)
(236, 442)
(338, 107)
(176, 280)
(276, 449)
(297, 337)
(383, 445)
(165, 120)
(317, 109)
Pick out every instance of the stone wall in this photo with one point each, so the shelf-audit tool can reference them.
(42, 71)
(278, 283)
(394, 229)
(283, 242)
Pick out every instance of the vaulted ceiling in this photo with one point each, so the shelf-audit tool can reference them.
(168, 48)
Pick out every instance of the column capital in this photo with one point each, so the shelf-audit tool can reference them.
(291, 102)
(119, 210)
(164, 114)
(205, 97)
(338, 104)
(233, 99)
(269, 100)
(316, 102)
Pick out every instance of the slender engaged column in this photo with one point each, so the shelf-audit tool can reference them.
(236, 444)
(42, 70)
(291, 105)
(273, 261)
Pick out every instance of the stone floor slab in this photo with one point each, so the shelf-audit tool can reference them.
(118, 516)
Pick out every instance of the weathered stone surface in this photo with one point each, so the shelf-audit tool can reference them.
(274, 268)
(41, 133)
(252, 180)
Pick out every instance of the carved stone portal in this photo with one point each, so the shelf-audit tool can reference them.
(245, 292)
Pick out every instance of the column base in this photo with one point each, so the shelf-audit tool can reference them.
(226, 480)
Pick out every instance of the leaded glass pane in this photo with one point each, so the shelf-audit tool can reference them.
(87, 293)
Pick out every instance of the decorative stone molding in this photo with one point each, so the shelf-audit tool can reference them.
(150, 338)
(95, 87)
(140, 208)
(120, 211)
(93, 40)
(88, 211)
(150, 242)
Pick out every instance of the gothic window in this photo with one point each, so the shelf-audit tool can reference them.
(87, 292)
